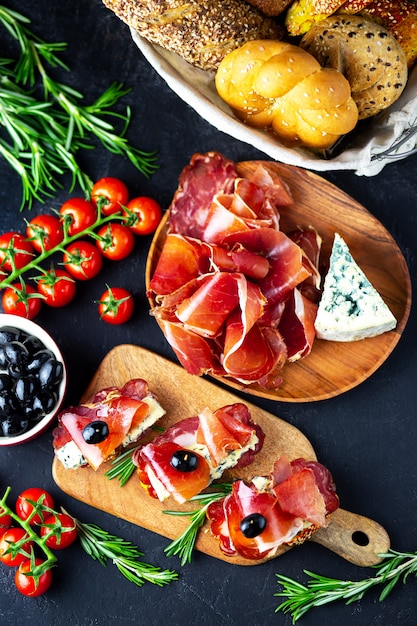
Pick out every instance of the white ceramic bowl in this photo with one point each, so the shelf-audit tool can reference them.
(34, 329)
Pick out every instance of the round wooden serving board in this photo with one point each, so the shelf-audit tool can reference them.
(183, 395)
(333, 367)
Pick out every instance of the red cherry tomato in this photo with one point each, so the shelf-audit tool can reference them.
(44, 232)
(116, 241)
(63, 529)
(15, 251)
(116, 305)
(57, 287)
(25, 506)
(83, 260)
(13, 555)
(144, 215)
(79, 214)
(5, 522)
(22, 300)
(110, 194)
(32, 586)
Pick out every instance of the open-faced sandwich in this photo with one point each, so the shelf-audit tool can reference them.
(284, 509)
(193, 452)
(97, 430)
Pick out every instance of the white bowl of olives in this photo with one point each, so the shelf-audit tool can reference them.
(33, 380)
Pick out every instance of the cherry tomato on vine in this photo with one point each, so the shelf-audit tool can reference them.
(5, 522)
(15, 251)
(116, 241)
(116, 305)
(44, 232)
(24, 506)
(57, 287)
(79, 215)
(83, 260)
(110, 194)
(32, 586)
(64, 531)
(22, 300)
(15, 556)
(145, 214)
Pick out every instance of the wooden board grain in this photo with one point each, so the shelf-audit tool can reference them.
(183, 395)
(332, 368)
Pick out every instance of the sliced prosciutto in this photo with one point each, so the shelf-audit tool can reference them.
(233, 294)
(284, 509)
(111, 419)
(192, 453)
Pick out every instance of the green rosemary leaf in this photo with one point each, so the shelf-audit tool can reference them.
(320, 590)
(183, 546)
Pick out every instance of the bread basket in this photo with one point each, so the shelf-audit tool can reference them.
(388, 137)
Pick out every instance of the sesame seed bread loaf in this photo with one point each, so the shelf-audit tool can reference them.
(200, 32)
(366, 53)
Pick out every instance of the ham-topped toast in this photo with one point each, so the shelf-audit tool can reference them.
(285, 508)
(192, 453)
(98, 429)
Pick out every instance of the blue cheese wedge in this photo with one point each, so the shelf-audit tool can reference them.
(350, 307)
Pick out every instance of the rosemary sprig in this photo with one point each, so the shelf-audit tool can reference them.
(320, 590)
(102, 547)
(122, 467)
(183, 545)
(44, 135)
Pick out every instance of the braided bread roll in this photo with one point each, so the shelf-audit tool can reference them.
(279, 85)
(201, 32)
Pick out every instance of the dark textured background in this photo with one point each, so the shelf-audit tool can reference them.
(367, 437)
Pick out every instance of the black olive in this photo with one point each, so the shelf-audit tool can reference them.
(184, 461)
(16, 353)
(32, 343)
(13, 425)
(95, 432)
(6, 382)
(36, 361)
(33, 412)
(8, 403)
(253, 525)
(25, 388)
(50, 373)
(8, 334)
(45, 401)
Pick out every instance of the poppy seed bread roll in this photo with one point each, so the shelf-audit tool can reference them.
(279, 85)
(200, 32)
(366, 53)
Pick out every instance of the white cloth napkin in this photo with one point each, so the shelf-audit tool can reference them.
(196, 87)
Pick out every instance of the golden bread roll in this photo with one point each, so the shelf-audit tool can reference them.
(366, 53)
(273, 84)
(200, 32)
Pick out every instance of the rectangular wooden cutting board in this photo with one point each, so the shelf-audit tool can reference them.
(183, 395)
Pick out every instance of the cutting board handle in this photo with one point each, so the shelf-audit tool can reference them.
(355, 538)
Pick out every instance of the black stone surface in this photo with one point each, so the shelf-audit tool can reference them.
(367, 437)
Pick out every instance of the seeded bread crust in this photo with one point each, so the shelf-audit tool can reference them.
(201, 32)
(270, 7)
(366, 53)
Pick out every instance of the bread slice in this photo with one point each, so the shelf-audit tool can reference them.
(350, 308)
